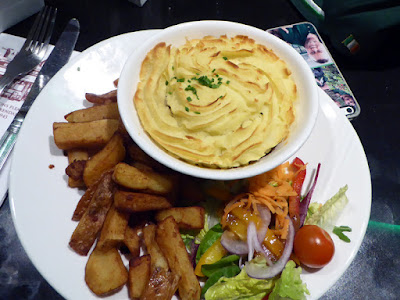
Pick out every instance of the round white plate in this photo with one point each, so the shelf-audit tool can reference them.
(42, 204)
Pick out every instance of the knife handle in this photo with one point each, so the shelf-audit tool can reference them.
(9, 138)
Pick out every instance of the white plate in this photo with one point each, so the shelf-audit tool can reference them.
(42, 204)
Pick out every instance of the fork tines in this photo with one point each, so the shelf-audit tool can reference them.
(39, 36)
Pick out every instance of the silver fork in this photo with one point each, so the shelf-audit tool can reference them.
(34, 48)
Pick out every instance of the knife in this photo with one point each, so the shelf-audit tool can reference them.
(57, 59)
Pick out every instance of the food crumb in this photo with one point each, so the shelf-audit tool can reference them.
(51, 166)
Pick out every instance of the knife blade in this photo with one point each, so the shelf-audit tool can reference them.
(58, 57)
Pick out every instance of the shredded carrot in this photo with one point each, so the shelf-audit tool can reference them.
(272, 190)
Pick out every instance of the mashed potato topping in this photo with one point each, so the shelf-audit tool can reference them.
(217, 102)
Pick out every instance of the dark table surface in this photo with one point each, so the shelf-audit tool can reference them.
(375, 271)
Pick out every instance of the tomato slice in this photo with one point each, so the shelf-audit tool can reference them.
(294, 201)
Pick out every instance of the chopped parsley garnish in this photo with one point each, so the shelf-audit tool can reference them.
(227, 82)
(166, 82)
(213, 71)
(186, 108)
(181, 80)
(204, 80)
(225, 58)
(173, 68)
(197, 112)
(339, 232)
(189, 99)
(192, 89)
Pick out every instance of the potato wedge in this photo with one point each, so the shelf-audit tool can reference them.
(139, 275)
(92, 220)
(113, 232)
(136, 202)
(162, 285)
(133, 178)
(87, 197)
(105, 159)
(73, 156)
(169, 239)
(132, 239)
(103, 98)
(157, 257)
(186, 217)
(98, 112)
(105, 272)
(84, 135)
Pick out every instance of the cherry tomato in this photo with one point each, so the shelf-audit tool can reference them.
(313, 246)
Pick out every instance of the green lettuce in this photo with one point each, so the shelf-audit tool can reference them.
(289, 285)
(239, 287)
(209, 238)
(325, 216)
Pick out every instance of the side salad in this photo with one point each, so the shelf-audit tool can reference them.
(255, 244)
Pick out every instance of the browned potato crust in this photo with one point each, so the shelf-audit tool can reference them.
(157, 257)
(186, 217)
(76, 155)
(162, 285)
(132, 239)
(92, 220)
(133, 178)
(139, 275)
(104, 160)
(105, 272)
(85, 134)
(170, 241)
(136, 202)
(99, 112)
(113, 232)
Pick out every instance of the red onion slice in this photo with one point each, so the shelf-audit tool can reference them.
(305, 203)
(254, 244)
(233, 244)
(263, 271)
(265, 215)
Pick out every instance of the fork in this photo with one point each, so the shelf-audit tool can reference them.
(34, 48)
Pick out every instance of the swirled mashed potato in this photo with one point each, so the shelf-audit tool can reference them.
(217, 102)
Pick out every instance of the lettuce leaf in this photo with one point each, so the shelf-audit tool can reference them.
(239, 287)
(289, 285)
(209, 238)
(326, 216)
(226, 267)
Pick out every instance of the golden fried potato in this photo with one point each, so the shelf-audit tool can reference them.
(113, 232)
(92, 220)
(105, 159)
(84, 135)
(136, 202)
(162, 285)
(157, 257)
(186, 217)
(139, 275)
(99, 112)
(75, 155)
(133, 178)
(170, 241)
(84, 202)
(132, 239)
(103, 98)
(105, 272)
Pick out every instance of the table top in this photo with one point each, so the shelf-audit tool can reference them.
(374, 273)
